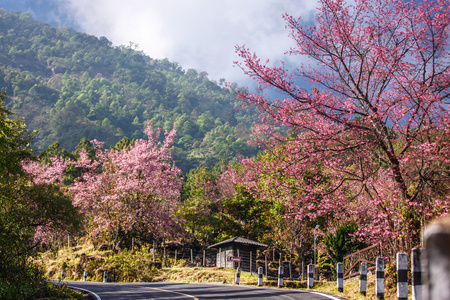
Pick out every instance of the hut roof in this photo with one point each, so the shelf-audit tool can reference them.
(238, 240)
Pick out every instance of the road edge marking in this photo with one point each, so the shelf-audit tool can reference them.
(84, 290)
(168, 291)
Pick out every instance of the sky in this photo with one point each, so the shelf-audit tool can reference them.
(199, 34)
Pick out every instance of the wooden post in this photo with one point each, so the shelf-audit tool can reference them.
(301, 267)
(290, 265)
(68, 241)
(239, 264)
(176, 257)
(250, 262)
(204, 257)
(192, 257)
(153, 250)
(225, 259)
(164, 257)
(266, 265)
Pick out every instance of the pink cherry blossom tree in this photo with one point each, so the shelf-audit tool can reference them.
(375, 122)
(135, 189)
(46, 192)
(46, 173)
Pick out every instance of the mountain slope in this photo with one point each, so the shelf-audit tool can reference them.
(72, 85)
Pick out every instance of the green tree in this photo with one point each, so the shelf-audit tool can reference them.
(200, 205)
(342, 242)
(25, 209)
(245, 216)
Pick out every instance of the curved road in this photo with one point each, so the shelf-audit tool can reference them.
(191, 291)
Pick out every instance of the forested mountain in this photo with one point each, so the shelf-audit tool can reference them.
(71, 85)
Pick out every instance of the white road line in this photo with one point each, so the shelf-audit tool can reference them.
(325, 295)
(84, 290)
(169, 291)
(287, 289)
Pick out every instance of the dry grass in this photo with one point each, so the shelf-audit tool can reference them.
(351, 289)
(138, 266)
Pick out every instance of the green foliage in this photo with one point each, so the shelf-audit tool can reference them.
(24, 208)
(72, 85)
(323, 263)
(15, 142)
(245, 216)
(342, 243)
(124, 142)
(200, 205)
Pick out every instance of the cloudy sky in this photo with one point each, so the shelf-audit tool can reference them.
(198, 34)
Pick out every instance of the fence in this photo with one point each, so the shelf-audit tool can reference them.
(250, 261)
(352, 263)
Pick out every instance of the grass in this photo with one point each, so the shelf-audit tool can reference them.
(138, 266)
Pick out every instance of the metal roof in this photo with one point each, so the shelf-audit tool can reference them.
(239, 240)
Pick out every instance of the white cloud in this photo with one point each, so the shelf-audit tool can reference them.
(198, 34)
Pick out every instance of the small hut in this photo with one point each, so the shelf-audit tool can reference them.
(237, 247)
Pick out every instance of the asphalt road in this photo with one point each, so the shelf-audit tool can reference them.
(190, 291)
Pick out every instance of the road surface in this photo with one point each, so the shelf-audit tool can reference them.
(192, 291)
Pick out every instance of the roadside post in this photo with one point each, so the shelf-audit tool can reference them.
(260, 276)
(417, 270)
(280, 276)
(402, 276)
(340, 277)
(363, 279)
(238, 275)
(310, 276)
(379, 283)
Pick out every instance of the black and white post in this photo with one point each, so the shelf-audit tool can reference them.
(402, 276)
(417, 269)
(310, 276)
(340, 277)
(260, 276)
(105, 276)
(280, 276)
(238, 276)
(363, 279)
(85, 276)
(62, 275)
(379, 283)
